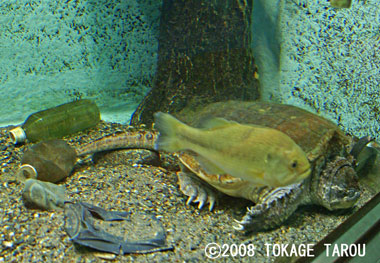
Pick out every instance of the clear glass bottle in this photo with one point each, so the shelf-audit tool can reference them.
(57, 122)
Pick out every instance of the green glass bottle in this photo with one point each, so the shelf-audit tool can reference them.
(57, 122)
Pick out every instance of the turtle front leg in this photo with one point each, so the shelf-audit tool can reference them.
(196, 190)
(272, 209)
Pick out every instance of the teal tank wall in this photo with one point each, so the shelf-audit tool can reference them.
(308, 54)
(52, 52)
(320, 58)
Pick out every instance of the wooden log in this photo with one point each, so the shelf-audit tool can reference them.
(204, 56)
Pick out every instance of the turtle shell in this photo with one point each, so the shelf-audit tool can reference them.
(333, 181)
(315, 135)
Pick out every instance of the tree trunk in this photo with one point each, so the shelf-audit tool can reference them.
(204, 56)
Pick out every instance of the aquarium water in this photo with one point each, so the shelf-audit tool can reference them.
(308, 54)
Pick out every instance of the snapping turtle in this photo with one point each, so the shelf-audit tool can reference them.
(332, 184)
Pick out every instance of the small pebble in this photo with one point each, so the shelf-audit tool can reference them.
(8, 244)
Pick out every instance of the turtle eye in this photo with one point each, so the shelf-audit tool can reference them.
(294, 164)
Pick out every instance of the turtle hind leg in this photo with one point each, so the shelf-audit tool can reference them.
(197, 190)
(272, 209)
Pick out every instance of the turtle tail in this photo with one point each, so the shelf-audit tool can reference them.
(168, 127)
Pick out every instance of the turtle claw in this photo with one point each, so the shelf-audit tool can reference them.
(211, 201)
(239, 226)
(201, 199)
(196, 191)
(190, 199)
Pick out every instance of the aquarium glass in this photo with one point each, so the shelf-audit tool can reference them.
(212, 114)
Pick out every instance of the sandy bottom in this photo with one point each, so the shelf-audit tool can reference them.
(117, 182)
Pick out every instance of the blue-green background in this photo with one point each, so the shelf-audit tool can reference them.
(311, 55)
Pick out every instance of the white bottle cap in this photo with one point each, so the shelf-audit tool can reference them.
(26, 171)
(17, 135)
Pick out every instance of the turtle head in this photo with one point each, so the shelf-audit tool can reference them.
(336, 186)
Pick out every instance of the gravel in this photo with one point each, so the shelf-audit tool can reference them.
(32, 235)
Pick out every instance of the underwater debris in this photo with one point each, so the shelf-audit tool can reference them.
(57, 122)
(44, 195)
(79, 225)
(49, 161)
